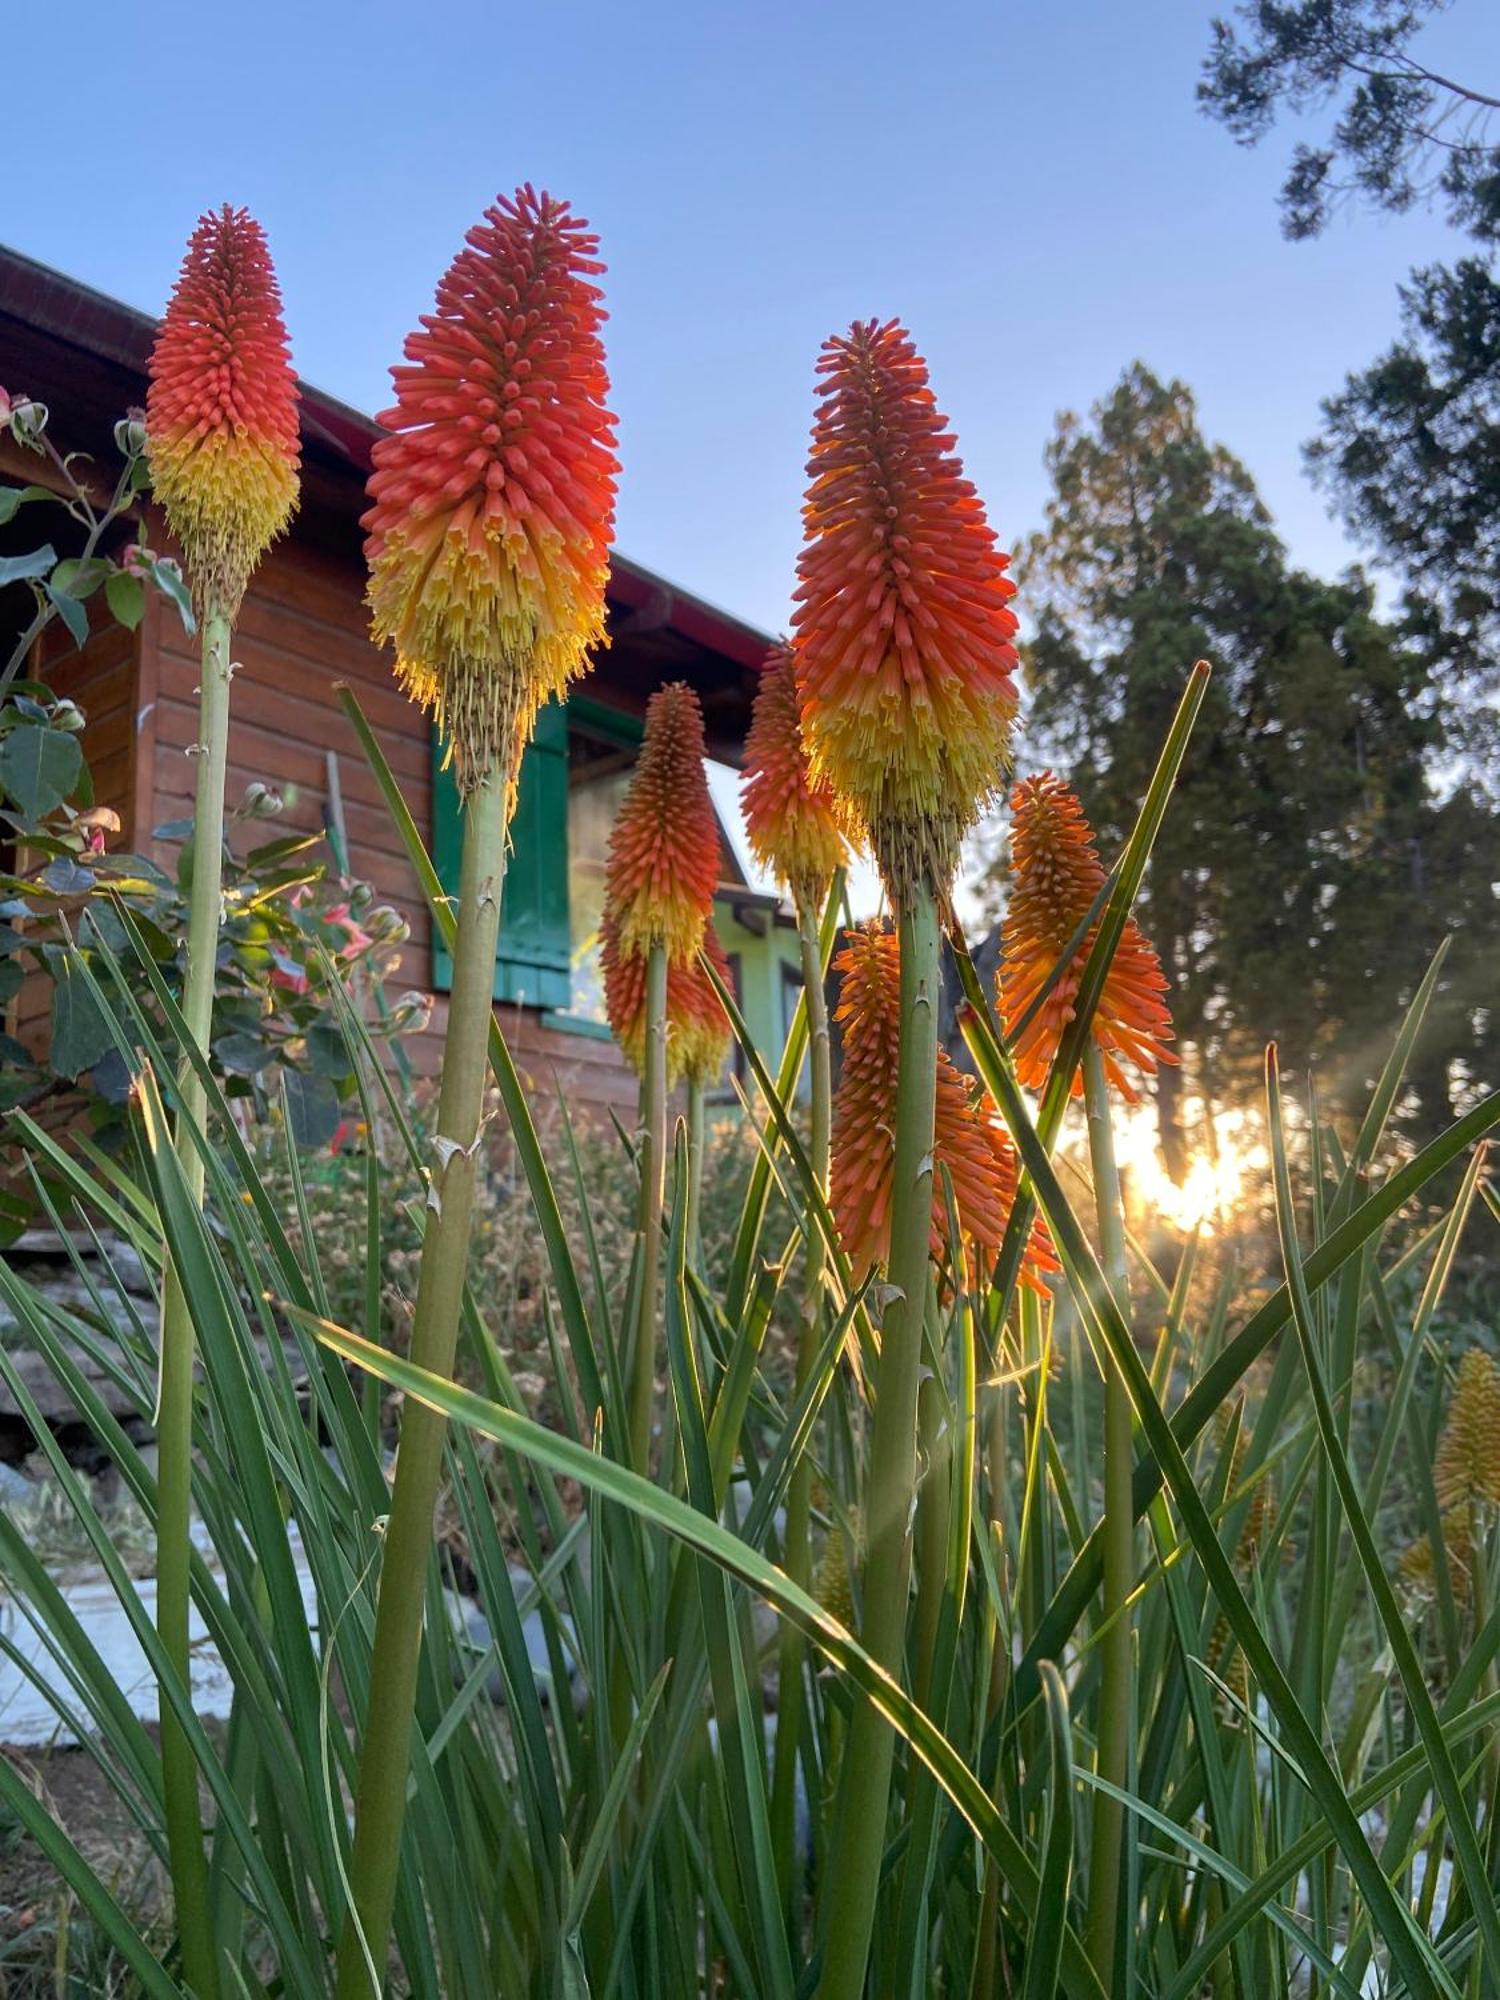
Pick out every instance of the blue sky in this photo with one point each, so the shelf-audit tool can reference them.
(1030, 186)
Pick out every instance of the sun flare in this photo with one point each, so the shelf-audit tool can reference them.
(1227, 1165)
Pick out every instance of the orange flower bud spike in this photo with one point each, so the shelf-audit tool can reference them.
(660, 875)
(797, 826)
(663, 863)
(221, 411)
(905, 660)
(1055, 876)
(492, 497)
(698, 1033)
(221, 442)
(975, 1150)
(492, 500)
(793, 820)
(903, 625)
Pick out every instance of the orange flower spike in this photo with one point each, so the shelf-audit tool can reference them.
(792, 819)
(903, 625)
(492, 497)
(624, 993)
(1055, 876)
(1038, 1259)
(976, 1152)
(663, 861)
(697, 1030)
(221, 410)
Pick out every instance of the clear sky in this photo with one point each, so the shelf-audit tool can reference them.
(1031, 187)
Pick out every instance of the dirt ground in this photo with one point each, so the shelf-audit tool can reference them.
(47, 1944)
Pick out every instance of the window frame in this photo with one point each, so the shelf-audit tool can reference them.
(533, 958)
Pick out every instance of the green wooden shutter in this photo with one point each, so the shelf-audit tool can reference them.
(532, 963)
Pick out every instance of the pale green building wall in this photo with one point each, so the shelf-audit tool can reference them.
(766, 995)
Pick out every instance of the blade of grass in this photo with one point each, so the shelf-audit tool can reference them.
(664, 1510)
(1461, 1826)
(1095, 1302)
(1228, 1369)
(1044, 1947)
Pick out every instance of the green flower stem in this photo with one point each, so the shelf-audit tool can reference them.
(695, 1131)
(1116, 1673)
(653, 1160)
(384, 1761)
(859, 1838)
(174, 1428)
(791, 1673)
(934, 1503)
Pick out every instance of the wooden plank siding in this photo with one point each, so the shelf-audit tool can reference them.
(300, 632)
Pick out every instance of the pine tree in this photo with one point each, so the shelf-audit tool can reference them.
(1308, 867)
(1410, 450)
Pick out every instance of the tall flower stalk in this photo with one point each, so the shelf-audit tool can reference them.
(661, 872)
(904, 658)
(697, 1034)
(795, 827)
(1056, 878)
(222, 442)
(976, 1154)
(492, 500)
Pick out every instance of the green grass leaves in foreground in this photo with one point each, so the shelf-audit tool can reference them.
(592, 1791)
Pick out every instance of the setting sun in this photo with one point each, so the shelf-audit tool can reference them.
(1221, 1176)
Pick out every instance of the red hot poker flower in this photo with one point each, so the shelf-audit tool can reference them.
(792, 819)
(663, 862)
(1055, 876)
(221, 411)
(696, 1018)
(697, 1031)
(492, 498)
(903, 624)
(975, 1150)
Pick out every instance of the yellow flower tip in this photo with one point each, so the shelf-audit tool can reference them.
(1466, 1467)
(492, 496)
(663, 862)
(903, 629)
(1055, 876)
(221, 410)
(794, 821)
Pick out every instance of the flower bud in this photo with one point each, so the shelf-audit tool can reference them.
(260, 801)
(387, 925)
(130, 434)
(28, 420)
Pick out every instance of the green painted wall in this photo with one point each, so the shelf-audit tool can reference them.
(766, 993)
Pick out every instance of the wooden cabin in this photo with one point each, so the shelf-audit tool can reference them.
(303, 630)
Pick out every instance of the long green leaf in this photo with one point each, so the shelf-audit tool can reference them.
(1044, 1946)
(664, 1510)
(1095, 1301)
(1445, 1778)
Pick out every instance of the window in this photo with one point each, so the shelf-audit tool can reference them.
(573, 777)
(602, 746)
